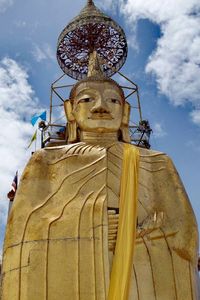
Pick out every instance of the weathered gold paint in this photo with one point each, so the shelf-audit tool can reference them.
(62, 228)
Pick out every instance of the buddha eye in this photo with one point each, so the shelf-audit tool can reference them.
(85, 100)
(116, 101)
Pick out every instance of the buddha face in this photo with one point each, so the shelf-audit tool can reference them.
(98, 106)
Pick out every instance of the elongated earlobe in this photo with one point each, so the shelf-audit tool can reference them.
(125, 123)
(71, 124)
(68, 111)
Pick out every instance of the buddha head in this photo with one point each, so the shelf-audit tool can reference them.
(97, 104)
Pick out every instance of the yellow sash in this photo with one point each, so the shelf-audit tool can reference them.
(123, 258)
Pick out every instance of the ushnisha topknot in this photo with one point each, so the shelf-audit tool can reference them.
(95, 73)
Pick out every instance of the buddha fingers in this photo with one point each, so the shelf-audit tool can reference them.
(113, 220)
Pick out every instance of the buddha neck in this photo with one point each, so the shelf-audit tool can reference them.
(98, 138)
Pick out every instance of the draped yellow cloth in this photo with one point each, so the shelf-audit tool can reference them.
(123, 258)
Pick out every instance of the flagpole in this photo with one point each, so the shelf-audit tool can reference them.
(42, 138)
(36, 142)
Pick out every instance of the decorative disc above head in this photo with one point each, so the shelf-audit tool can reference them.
(91, 31)
(95, 74)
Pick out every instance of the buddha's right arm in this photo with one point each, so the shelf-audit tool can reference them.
(182, 219)
(161, 193)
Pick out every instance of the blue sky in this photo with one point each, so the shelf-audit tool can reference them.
(163, 59)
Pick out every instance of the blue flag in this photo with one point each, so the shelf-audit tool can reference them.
(42, 116)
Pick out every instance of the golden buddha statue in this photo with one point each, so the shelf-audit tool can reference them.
(99, 218)
(63, 227)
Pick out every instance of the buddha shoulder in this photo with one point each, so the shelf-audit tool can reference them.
(155, 160)
(53, 158)
(49, 154)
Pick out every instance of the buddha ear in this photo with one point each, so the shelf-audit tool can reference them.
(125, 123)
(71, 124)
(68, 111)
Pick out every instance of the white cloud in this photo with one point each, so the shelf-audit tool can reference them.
(158, 130)
(43, 52)
(132, 41)
(175, 62)
(158, 11)
(195, 115)
(108, 4)
(17, 104)
(4, 4)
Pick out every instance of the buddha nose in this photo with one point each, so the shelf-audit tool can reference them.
(100, 106)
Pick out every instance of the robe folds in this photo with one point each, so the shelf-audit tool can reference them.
(56, 244)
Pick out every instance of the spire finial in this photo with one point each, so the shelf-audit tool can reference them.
(94, 66)
(90, 2)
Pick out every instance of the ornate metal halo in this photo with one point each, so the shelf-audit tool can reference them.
(91, 30)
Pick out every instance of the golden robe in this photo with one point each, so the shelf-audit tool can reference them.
(56, 244)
